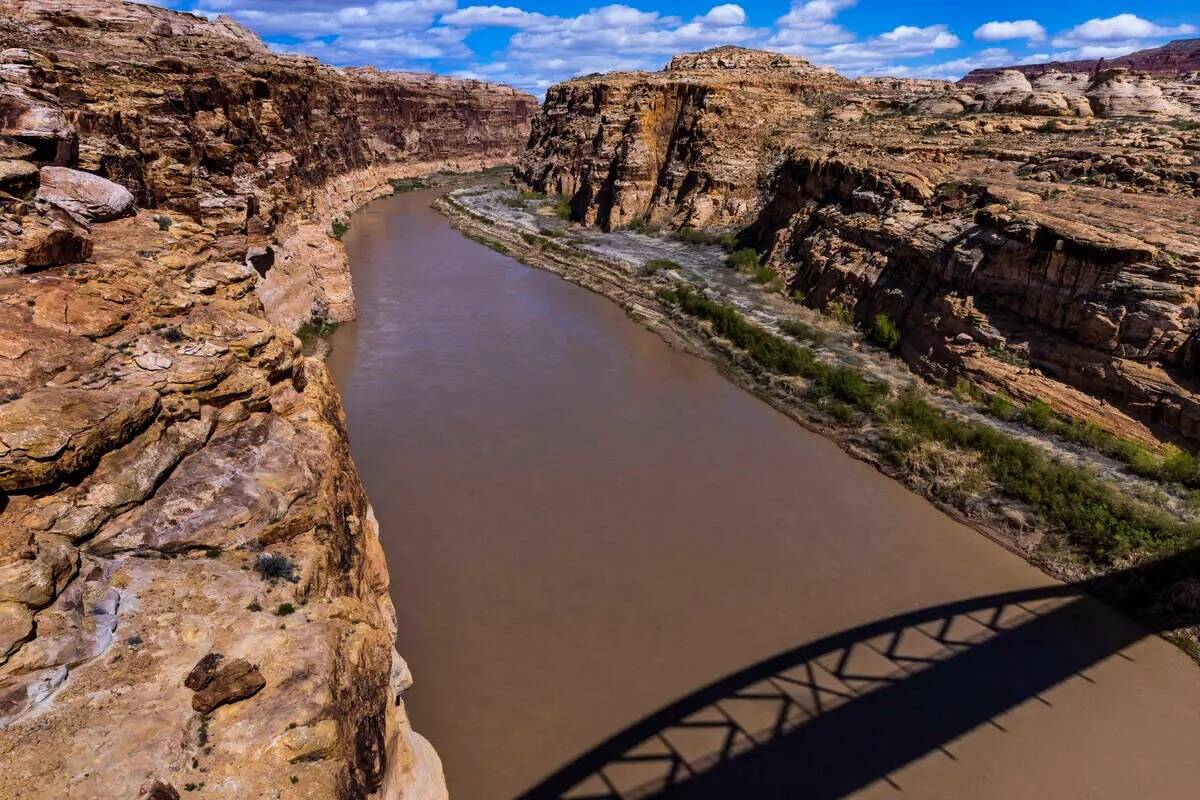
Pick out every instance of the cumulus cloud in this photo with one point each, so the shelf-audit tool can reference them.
(544, 47)
(1016, 29)
(1127, 27)
(810, 23)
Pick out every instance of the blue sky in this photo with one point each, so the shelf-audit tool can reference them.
(533, 43)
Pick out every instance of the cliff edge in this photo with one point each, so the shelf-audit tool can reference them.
(1034, 238)
(192, 590)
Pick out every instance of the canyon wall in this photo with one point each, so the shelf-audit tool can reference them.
(192, 591)
(1036, 238)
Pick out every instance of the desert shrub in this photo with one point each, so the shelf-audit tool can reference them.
(527, 194)
(656, 264)
(884, 332)
(317, 327)
(1101, 525)
(842, 412)
(802, 331)
(401, 185)
(744, 260)
(764, 274)
(848, 386)
(1178, 465)
(1038, 414)
(840, 311)
(1000, 405)
(285, 609)
(338, 228)
(562, 209)
(164, 222)
(275, 566)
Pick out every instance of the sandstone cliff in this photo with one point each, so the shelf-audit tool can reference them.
(1035, 239)
(1177, 59)
(192, 591)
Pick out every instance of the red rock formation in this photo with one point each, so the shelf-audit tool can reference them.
(159, 427)
(1051, 259)
(1173, 60)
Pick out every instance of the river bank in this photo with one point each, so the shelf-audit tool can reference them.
(861, 418)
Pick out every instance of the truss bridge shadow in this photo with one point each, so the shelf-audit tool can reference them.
(835, 715)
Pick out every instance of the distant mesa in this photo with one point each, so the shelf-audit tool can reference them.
(1177, 59)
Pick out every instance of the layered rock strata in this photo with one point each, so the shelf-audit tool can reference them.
(1050, 258)
(1174, 60)
(192, 590)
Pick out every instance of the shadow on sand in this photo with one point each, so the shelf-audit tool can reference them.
(835, 715)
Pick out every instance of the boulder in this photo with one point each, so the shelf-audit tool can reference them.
(216, 682)
(53, 239)
(88, 196)
(18, 177)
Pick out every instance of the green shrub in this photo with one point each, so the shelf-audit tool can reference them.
(884, 332)
(692, 235)
(285, 609)
(1000, 405)
(401, 185)
(840, 312)
(164, 222)
(655, 264)
(316, 328)
(764, 274)
(1039, 415)
(339, 228)
(1178, 465)
(802, 331)
(1101, 525)
(744, 260)
(562, 209)
(842, 412)
(528, 194)
(848, 386)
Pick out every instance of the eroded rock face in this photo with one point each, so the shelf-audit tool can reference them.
(167, 187)
(1035, 235)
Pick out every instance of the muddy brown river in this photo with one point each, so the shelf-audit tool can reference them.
(616, 574)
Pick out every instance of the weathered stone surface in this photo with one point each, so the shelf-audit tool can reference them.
(159, 427)
(994, 237)
(217, 682)
(50, 434)
(85, 195)
(1174, 60)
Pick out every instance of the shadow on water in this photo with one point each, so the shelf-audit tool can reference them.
(838, 714)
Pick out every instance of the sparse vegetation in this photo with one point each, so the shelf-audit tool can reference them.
(1100, 524)
(275, 567)
(562, 209)
(728, 241)
(338, 228)
(802, 331)
(317, 327)
(658, 264)
(164, 222)
(401, 185)
(285, 609)
(884, 332)
(527, 194)
(840, 312)
(744, 260)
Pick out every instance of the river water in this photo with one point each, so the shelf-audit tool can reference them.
(584, 526)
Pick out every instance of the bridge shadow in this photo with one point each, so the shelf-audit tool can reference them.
(835, 715)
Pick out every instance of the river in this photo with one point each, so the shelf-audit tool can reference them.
(584, 526)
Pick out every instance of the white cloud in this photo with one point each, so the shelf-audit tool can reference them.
(1016, 29)
(1121, 27)
(809, 24)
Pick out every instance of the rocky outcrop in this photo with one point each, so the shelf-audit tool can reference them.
(1174, 60)
(1046, 258)
(192, 591)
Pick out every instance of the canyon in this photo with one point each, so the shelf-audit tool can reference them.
(1035, 238)
(195, 592)
(192, 591)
